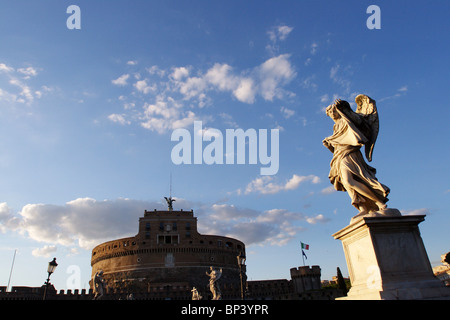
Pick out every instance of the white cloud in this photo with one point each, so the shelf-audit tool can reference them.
(271, 227)
(324, 98)
(266, 184)
(86, 222)
(20, 91)
(172, 100)
(314, 47)
(5, 68)
(180, 73)
(245, 92)
(143, 87)
(279, 32)
(283, 32)
(220, 76)
(287, 113)
(165, 114)
(193, 87)
(415, 212)
(328, 190)
(132, 62)
(333, 71)
(25, 95)
(320, 218)
(7, 219)
(155, 70)
(273, 73)
(17, 79)
(341, 75)
(118, 118)
(7, 96)
(121, 81)
(265, 80)
(28, 72)
(46, 251)
(400, 92)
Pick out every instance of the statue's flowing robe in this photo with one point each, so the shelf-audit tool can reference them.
(347, 141)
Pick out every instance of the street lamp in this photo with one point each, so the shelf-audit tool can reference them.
(241, 263)
(50, 269)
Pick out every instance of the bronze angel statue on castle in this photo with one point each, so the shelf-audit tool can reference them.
(349, 171)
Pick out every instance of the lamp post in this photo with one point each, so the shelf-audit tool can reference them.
(241, 263)
(50, 269)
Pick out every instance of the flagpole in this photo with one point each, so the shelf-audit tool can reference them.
(12, 265)
(303, 257)
(304, 246)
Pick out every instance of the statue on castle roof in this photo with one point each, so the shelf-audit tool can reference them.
(170, 201)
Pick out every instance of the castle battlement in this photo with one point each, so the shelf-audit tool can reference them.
(305, 271)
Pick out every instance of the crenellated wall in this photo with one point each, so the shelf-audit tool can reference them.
(306, 278)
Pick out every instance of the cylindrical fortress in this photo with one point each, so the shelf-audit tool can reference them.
(168, 257)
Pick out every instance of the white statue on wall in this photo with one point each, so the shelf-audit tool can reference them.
(349, 171)
(195, 294)
(213, 284)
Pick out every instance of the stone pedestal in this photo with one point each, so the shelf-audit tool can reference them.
(387, 260)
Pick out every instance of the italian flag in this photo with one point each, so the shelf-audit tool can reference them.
(305, 246)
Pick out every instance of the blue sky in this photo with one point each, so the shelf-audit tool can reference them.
(86, 118)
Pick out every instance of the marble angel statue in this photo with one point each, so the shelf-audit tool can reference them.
(214, 276)
(349, 171)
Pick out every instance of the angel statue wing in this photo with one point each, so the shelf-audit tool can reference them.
(366, 107)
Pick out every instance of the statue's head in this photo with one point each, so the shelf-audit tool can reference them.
(332, 112)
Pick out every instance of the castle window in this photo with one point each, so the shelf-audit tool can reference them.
(188, 226)
(175, 239)
(147, 235)
(161, 226)
(168, 239)
(147, 226)
(174, 226)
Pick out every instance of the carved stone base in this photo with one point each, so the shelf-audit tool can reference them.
(388, 212)
(387, 260)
